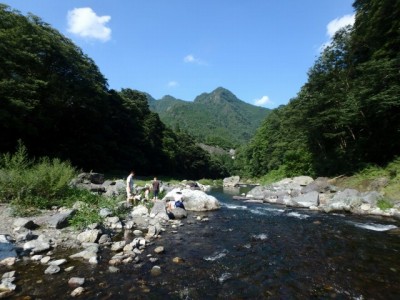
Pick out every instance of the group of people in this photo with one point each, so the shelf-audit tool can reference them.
(155, 187)
(131, 194)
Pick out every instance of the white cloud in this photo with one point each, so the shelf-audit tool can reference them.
(172, 84)
(85, 23)
(264, 100)
(194, 60)
(338, 23)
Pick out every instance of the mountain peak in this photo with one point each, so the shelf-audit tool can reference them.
(219, 95)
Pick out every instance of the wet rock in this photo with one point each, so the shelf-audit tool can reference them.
(105, 239)
(231, 181)
(76, 281)
(156, 271)
(45, 260)
(36, 246)
(89, 236)
(117, 246)
(57, 262)
(159, 250)
(177, 260)
(307, 200)
(52, 270)
(77, 292)
(113, 269)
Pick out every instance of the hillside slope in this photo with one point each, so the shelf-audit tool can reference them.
(216, 118)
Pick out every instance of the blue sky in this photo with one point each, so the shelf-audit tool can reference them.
(260, 50)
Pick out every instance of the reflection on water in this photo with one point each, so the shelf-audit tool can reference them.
(252, 251)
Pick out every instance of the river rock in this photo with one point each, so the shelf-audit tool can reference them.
(158, 210)
(159, 250)
(52, 270)
(60, 220)
(156, 271)
(89, 236)
(231, 181)
(36, 246)
(195, 200)
(76, 281)
(179, 213)
(77, 292)
(307, 200)
(25, 223)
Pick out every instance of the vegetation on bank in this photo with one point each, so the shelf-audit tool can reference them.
(347, 115)
(32, 185)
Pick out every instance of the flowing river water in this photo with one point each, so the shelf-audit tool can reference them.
(247, 251)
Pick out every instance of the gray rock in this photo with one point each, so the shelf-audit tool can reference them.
(60, 220)
(307, 200)
(25, 223)
(52, 270)
(158, 210)
(76, 281)
(195, 200)
(105, 212)
(179, 213)
(89, 236)
(231, 181)
(36, 246)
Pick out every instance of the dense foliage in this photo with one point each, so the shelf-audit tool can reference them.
(218, 118)
(347, 115)
(54, 98)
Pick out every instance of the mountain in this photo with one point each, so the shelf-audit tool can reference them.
(216, 118)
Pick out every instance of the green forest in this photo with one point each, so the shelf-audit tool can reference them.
(346, 116)
(57, 103)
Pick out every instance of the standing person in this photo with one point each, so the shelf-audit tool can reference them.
(156, 188)
(130, 187)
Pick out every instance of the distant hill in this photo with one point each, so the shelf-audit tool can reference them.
(216, 118)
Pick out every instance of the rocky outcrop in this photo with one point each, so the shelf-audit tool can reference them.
(194, 200)
(321, 195)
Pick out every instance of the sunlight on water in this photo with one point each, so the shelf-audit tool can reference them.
(216, 255)
(374, 227)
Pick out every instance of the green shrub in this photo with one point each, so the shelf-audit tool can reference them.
(384, 204)
(87, 214)
(26, 183)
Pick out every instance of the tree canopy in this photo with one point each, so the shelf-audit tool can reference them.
(347, 113)
(55, 100)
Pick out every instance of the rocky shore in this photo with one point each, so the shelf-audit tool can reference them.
(43, 239)
(320, 194)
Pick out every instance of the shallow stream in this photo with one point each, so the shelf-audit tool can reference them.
(247, 251)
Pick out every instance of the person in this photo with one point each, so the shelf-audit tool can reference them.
(177, 202)
(130, 187)
(156, 188)
(146, 193)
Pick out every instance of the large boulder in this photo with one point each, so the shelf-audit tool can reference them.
(231, 181)
(307, 200)
(195, 200)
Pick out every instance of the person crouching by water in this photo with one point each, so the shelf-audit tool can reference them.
(130, 188)
(177, 202)
(156, 188)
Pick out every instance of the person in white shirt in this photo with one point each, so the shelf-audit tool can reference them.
(130, 187)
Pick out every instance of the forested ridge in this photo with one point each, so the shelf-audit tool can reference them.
(347, 114)
(345, 117)
(218, 118)
(57, 103)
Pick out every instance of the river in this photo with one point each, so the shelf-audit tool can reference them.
(248, 251)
